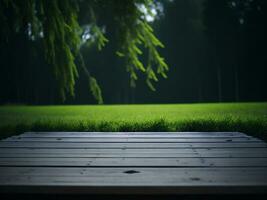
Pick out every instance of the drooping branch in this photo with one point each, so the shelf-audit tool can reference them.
(56, 23)
(137, 35)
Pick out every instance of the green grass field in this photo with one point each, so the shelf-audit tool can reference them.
(246, 117)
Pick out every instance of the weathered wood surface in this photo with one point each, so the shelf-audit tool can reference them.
(145, 180)
(133, 163)
(135, 155)
(133, 140)
(136, 162)
(135, 134)
(126, 145)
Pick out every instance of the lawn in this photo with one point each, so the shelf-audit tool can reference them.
(246, 117)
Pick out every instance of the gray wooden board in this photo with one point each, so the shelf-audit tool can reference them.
(136, 155)
(106, 136)
(136, 162)
(147, 180)
(96, 162)
(128, 150)
(127, 134)
(73, 145)
(133, 140)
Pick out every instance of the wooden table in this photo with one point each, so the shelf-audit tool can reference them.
(133, 163)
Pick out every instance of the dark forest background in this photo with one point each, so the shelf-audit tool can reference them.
(216, 51)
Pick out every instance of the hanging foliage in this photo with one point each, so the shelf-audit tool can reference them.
(56, 23)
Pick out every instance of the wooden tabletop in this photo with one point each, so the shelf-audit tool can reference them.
(133, 163)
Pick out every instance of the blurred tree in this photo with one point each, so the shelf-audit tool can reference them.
(237, 28)
(221, 25)
(65, 27)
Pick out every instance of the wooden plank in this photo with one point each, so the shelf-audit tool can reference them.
(136, 162)
(142, 134)
(136, 155)
(112, 135)
(146, 181)
(167, 136)
(85, 171)
(132, 140)
(71, 145)
(131, 151)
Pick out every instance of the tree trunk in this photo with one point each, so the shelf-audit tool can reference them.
(236, 84)
(219, 82)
